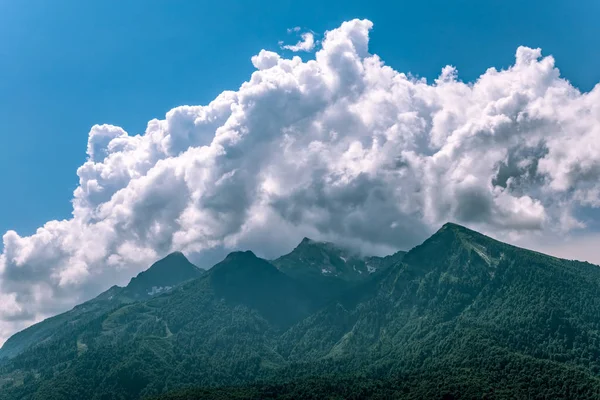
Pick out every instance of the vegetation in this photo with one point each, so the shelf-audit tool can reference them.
(161, 276)
(460, 316)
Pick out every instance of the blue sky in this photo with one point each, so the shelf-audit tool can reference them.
(67, 64)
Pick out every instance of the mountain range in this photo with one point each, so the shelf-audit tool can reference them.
(459, 316)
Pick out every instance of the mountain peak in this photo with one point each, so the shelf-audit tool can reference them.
(241, 262)
(322, 259)
(453, 241)
(455, 226)
(452, 225)
(175, 254)
(164, 274)
(239, 269)
(175, 260)
(306, 240)
(241, 255)
(462, 231)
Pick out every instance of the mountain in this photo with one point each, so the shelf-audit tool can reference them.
(226, 320)
(323, 259)
(471, 311)
(328, 270)
(460, 316)
(244, 279)
(162, 276)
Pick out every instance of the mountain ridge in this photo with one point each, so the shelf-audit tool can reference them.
(477, 316)
(328, 259)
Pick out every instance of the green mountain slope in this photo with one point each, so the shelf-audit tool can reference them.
(217, 329)
(464, 301)
(162, 276)
(460, 316)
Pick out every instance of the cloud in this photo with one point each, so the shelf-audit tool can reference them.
(307, 43)
(340, 147)
(579, 248)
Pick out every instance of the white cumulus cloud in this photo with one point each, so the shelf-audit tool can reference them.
(307, 42)
(340, 147)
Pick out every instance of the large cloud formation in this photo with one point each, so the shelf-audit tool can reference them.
(341, 147)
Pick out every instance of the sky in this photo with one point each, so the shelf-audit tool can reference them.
(135, 128)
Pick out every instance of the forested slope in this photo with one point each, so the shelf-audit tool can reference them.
(460, 316)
